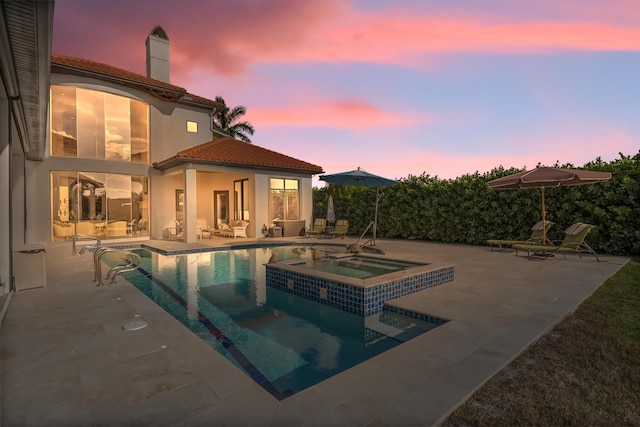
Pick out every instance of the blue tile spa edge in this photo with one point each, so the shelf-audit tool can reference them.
(360, 300)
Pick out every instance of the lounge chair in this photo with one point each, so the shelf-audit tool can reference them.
(319, 227)
(573, 242)
(535, 238)
(341, 228)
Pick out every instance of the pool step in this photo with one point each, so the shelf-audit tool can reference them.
(374, 323)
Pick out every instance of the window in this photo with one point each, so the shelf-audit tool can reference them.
(179, 205)
(98, 204)
(284, 198)
(192, 127)
(96, 125)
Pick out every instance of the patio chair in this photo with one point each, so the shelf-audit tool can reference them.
(202, 228)
(319, 227)
(573, 242)
(236, 229)
(534, 239)
(135, 226)
(341, 228)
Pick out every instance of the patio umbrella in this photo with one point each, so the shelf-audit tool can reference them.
(548, 177)
(331, 213)
(361, 178)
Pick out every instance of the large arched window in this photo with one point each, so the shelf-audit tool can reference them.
(97, 125)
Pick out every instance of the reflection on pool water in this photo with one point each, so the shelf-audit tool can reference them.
(284, 342)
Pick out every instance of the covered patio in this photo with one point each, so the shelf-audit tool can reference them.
(226, 180)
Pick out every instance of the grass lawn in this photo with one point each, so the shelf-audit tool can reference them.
(584, 372)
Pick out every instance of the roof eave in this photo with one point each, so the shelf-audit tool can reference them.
(25, 57)
(213, 105)
(178, 160)
(119, 80)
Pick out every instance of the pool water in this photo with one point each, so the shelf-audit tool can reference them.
(360, 267)
(284, 342)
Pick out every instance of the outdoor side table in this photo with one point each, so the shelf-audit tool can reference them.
(275, 232)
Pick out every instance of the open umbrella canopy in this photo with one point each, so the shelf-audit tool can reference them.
(548, 177)
(361, 178)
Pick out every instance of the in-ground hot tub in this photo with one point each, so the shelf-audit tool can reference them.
(359, 284)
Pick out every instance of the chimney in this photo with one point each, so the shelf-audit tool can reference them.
(158, 55)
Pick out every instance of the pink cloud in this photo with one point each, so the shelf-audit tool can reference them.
(221, 36)
(227, 37)
(354, 114)
(402, 38)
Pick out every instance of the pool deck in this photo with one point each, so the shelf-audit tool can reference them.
(66, 360)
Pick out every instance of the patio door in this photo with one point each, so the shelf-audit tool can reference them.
(220, 208)
(241, 199)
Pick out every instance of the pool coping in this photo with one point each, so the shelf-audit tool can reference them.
(293, 266)
(222, 247)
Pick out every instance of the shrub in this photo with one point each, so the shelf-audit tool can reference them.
(465, 210)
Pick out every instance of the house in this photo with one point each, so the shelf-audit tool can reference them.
(124, 155)
(134, 156)
(129, 150)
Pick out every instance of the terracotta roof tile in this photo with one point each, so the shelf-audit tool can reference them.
(232, 152)
(157, 88)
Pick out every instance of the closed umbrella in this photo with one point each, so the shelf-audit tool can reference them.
(331, 213)
(361, 178)
(548, 177)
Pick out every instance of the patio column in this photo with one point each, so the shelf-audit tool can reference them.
(190, 203)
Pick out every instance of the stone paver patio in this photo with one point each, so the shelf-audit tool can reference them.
(67, 361)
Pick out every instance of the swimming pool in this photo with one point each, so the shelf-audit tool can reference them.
(284, 342)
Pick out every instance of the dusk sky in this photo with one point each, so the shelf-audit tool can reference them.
(396, 87)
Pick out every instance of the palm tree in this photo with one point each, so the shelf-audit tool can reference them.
(227, 122)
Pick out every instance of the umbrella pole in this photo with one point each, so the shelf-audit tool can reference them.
(373, 224)
(544, 221)
(375, 217)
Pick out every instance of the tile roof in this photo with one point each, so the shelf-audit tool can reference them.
(159, 89)
(232, 152)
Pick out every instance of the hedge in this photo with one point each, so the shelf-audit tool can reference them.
(465, 210)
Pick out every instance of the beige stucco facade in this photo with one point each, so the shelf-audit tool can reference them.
(30, 211)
